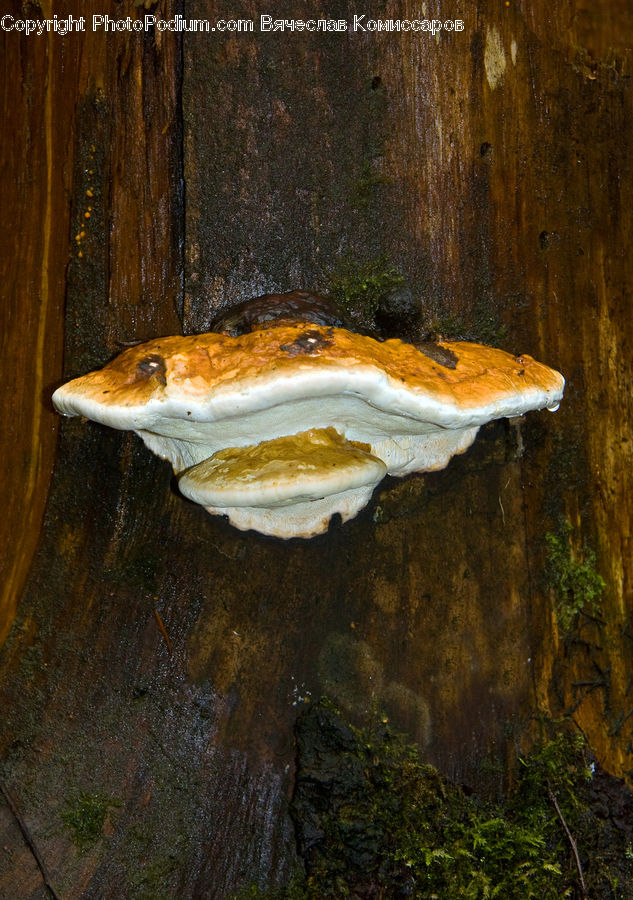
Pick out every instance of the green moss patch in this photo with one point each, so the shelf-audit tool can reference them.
(373, 821)
(85, 817)
(572, 575)
(362, 287)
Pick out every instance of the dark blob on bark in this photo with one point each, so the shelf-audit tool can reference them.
(294, 306)
(330, 774)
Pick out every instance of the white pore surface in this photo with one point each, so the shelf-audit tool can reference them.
(304, 520)
(403, 454)
(404, 443)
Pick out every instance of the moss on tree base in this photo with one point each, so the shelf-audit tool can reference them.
(372, 821)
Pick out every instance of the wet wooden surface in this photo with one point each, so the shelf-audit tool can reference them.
(492, 168)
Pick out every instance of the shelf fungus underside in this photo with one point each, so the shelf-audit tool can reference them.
(283, 427)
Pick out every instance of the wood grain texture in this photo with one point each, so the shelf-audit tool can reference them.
(493, 168)
(35, 214)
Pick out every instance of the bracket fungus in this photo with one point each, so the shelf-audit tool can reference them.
(283, 426)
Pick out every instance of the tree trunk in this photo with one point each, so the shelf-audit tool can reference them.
(155, 657)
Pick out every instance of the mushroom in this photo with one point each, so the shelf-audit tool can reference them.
(216, 406)
(290, 486)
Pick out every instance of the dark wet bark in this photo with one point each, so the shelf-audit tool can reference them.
(492, 169)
